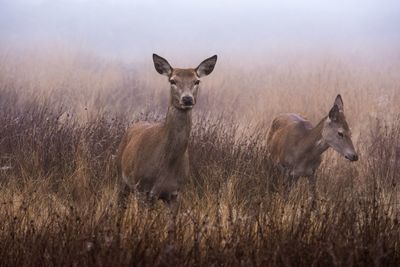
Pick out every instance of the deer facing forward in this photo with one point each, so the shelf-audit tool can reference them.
(295, 146)
(153, 158)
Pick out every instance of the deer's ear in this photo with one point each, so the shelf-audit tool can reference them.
(334, 113)
(207, 66)
(339, 103)
(162, 66)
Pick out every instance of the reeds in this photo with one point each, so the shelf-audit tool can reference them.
(58, 176)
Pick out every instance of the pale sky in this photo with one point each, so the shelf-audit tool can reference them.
(134, 29)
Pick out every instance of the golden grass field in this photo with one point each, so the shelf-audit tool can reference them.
(62, 115)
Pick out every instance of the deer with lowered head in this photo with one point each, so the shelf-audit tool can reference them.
(154, 158)
(295, 146)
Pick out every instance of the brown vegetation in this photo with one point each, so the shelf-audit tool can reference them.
(62, 119)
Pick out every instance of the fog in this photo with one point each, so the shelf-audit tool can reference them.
(132, 30)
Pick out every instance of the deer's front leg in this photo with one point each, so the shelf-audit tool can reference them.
(312, 181)
(123, 193)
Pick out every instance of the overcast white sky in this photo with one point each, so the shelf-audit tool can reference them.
(133, 29)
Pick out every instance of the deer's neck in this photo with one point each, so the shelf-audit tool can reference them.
(313, 143)
(177, 131)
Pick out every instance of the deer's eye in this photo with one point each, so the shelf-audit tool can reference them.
(173, 82)
(340, 134)
(197, 82)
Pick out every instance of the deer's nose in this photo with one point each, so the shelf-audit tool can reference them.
(352, 157)
(187, 100)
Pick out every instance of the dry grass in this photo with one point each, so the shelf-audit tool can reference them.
(62, 118)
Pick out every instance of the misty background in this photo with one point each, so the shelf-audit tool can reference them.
(238, 30)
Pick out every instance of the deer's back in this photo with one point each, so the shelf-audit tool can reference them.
(285, 136)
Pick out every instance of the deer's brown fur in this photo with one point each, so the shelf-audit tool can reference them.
(296, 146)
(154, 158)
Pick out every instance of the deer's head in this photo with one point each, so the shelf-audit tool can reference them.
(336, 132)
(185, 83)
